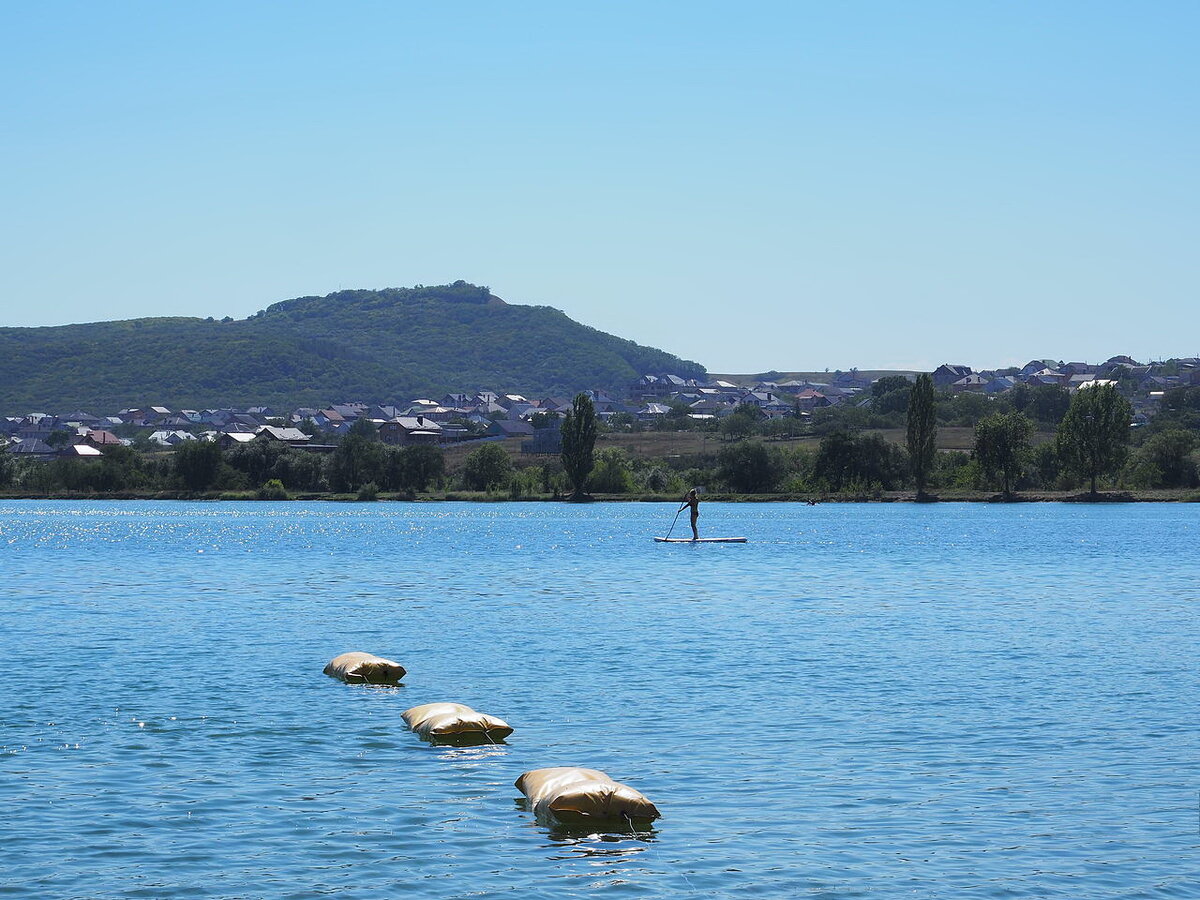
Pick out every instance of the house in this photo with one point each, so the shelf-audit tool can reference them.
(522, 410)
(384, 412)
(79, 417)
(97, 437)
(808, 400)
(1048, 377)
(544, 440)
(707, 406)
(80, 452)
(293, 437)
(507, 428)
(1114, 361)
(948, 373)
(485, 411)
(406, 430)
(652, 412)
(302, 413)
(851, 379)
(31, 448)
(350, 411)
(999, 385)
(38, 429)
(167, 438)
(973, 383)
(662, 385)
(329, 419)
(1037, 365)
(230, 439)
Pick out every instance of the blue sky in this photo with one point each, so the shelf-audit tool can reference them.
(752, 185)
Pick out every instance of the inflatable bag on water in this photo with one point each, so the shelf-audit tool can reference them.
(455, 722)
(573, 795)
(364, 668)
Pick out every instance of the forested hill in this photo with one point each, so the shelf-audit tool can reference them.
(377, 346)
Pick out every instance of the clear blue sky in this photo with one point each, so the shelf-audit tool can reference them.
(794, 185)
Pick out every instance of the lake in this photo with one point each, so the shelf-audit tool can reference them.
(865, 700)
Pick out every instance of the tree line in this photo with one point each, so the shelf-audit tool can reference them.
(1091, 447)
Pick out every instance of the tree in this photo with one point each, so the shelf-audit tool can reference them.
(359, 458)
(922, 431)
(858, 462)
(1048, 403)
(197, 463)
(413, 469)
(889, 383)
(1166, 458)
(486, 467)
(749, 467)
(612, 474)
(1093, 437)
(578, 442)
(1002, 447)
(742, 422)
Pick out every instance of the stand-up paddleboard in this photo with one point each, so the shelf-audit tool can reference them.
(738, 540)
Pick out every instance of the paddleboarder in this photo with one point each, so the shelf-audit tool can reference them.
(693, 500)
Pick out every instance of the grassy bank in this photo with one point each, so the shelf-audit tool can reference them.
(942, 496)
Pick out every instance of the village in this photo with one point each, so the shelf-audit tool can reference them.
(490, 415)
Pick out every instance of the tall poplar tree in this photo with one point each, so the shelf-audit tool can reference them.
(1093, 437)
(922, 430)
(578, 442)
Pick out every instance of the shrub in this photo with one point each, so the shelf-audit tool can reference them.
(272, 490)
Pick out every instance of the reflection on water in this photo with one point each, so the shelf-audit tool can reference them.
(468, 755)
(599, 845)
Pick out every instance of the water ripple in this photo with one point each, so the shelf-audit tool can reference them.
(864, 701)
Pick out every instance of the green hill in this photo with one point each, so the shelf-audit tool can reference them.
(377, 346)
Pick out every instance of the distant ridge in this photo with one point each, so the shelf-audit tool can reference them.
(379, 346)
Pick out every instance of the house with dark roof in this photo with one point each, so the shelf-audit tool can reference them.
(31, 448)
(293, 437)
(509, 428)
(948, 373)
(404, 431)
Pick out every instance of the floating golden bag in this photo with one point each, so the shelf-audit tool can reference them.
(573, 795)
(454, 722)
(364, 668)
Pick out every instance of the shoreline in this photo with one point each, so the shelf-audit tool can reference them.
(1175, 495)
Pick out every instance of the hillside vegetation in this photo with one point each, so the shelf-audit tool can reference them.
(378, 346)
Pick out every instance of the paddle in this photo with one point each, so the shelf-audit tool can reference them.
(673, 521)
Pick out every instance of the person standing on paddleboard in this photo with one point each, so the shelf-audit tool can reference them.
(693, 500)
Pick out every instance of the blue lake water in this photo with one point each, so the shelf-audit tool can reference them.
(866, 700)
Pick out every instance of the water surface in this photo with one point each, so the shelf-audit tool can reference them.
(875, 700)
